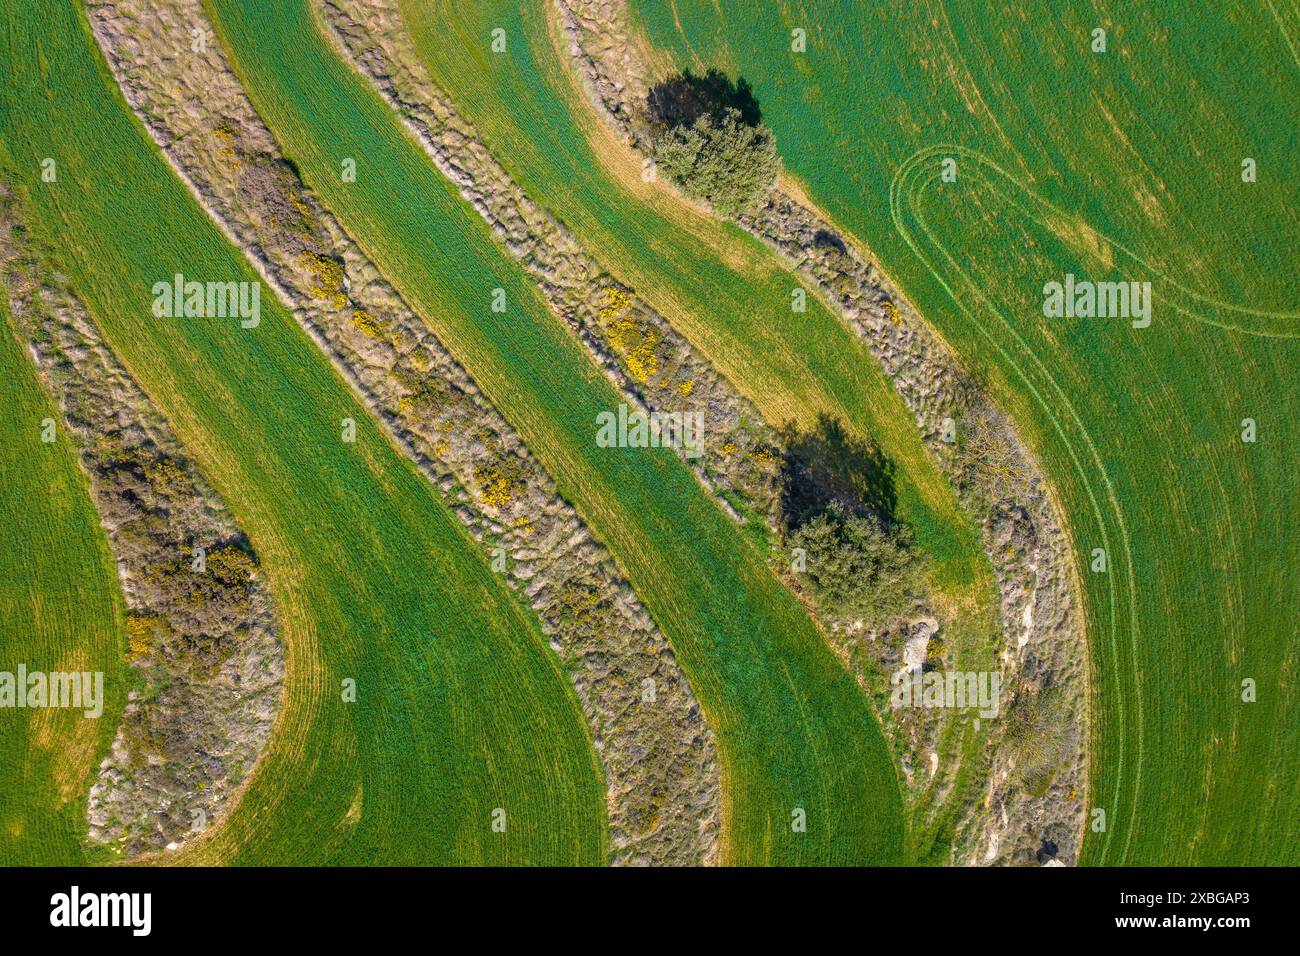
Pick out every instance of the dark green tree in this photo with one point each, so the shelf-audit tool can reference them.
(707, 137)
(858, 567)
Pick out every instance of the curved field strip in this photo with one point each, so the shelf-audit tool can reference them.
(60, 610)
(718, 286)
(793, 730)
(375, 579)
(922, 171)
(1118, 166)
(1107, 522)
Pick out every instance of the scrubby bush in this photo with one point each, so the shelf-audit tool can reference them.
(1035, 731)
(858, 567)
(141, 631)
(707, 137)
(719, 159)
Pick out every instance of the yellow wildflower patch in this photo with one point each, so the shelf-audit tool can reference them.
(637, 346)
(168, 477)
(366, 323)
(230, 565)
(496, 493)
(327, 278)
(140, 633)
(618, 301)
(636, 343)
(500, 482)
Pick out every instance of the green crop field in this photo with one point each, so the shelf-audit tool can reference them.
(374, 578)
(794, 731)
(60, 610)
(1122, 165)
(975, 152)
(719, 286)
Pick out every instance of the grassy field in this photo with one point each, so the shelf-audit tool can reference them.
(1121, 165)
(374, 578)
(718, 286)
(793, 730)
(60, 610)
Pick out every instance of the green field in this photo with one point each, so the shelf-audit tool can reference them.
(718, 286)
(793, 729)
(374, 578)
(975, 150)
(60, 610)
(1123, 165)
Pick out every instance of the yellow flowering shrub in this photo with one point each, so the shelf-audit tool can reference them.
(636, 343)
(167, 477)
(637, 346)
(230, 565)
(366, 323)
(500, 481)
(327, 278)
(618, 301)
(140, 631)
(934, 651)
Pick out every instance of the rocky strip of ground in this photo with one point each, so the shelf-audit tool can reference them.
(206, 668)
(1037, 780)
(658, 754)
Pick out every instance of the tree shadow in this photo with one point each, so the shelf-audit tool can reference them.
(682, 99)
(823, 239)
(827, 464)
